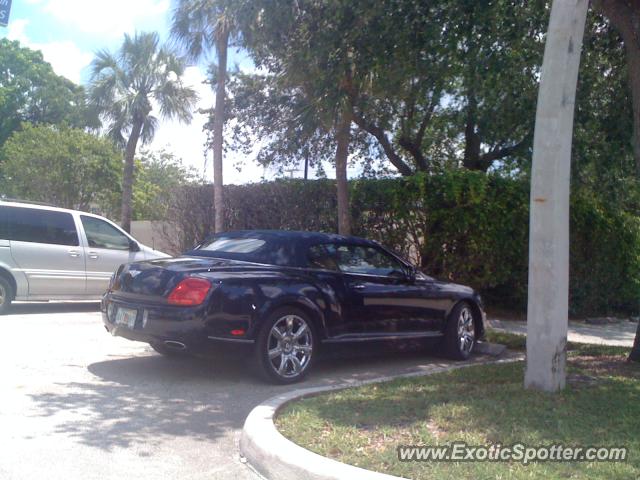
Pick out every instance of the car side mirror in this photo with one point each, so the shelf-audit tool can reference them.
(134, 246)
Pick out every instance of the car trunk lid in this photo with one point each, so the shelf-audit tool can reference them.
(157, 278)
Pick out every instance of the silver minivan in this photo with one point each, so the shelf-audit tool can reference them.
(49, 253)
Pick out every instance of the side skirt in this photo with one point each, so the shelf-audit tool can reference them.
(353, 337)
(231, 340)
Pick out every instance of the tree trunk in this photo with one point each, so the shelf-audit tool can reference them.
(548, 302)
(343, 138)
(633, 56)
(625, 17)
(218, 130)
(127, 175)
(634, 355)
(471, 158)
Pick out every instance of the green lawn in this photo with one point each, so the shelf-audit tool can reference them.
(479, 405)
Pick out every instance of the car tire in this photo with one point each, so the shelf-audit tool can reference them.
(286, 346)
(166, 351)
(6, 295)
(459, 336)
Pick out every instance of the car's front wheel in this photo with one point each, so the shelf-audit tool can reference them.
(460, 337)
(285, 346)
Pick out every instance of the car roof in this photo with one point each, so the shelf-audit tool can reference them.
(37, 206)
(282, 247)
(44, 206)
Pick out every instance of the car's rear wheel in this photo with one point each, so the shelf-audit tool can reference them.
(285, 346)
(460, 337)
(6, 295)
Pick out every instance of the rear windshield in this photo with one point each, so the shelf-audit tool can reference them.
(270, 251)
(235, 245)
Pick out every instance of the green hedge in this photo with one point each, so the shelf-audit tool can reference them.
(462, 226)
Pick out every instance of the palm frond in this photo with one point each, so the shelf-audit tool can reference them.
(124, 84)
(149, 128)
(198, 24)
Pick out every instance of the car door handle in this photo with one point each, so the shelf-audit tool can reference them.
(358, 286)
(74, 253)
(93, 255)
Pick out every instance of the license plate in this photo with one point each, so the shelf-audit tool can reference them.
(126, 317)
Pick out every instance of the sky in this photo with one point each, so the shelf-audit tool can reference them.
(69, 32)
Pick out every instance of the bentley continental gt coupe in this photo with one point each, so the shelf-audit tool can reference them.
(283, 294)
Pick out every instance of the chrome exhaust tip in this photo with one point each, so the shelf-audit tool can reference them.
(172, 344)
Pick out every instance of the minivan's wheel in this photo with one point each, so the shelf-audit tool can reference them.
(285, 346)
(6, 295)
(460, 333)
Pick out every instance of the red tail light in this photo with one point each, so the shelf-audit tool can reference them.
(189, 292)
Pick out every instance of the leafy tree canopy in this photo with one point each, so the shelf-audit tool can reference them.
(63, 166)
(158, 175)
(431, 85)
(428, 83)
(30, 91)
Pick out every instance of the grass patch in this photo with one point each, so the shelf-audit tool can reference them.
(519, 343)
(479, 405)
(511, 340)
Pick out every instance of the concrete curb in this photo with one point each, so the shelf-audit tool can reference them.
(277, 458)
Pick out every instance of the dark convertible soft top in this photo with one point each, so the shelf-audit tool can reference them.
(281, 247)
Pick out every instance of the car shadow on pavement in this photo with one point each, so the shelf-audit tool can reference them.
(55, 307)
(142, 398)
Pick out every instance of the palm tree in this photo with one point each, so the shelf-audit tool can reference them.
(124, 88)
(548, 307)
(200, 26)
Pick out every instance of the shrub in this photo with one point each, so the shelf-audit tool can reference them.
(459, 225)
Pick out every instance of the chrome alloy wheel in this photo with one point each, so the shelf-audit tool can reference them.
(466, 331)
(290, 345)
(3, 295)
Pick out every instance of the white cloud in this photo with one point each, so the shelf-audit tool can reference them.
(100, 17)
(65, 57)
(16, 30)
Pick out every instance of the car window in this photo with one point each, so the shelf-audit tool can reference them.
(322, 256)
(366, 260)
(101, 234)
(39, 226)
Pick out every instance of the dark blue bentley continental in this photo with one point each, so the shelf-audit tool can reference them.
(285, 293)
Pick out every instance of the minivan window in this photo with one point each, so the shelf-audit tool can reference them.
(38, 226)
(101, 234)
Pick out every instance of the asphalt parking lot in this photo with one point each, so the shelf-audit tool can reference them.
(76, 403)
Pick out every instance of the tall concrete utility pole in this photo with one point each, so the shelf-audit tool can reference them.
(548, 302)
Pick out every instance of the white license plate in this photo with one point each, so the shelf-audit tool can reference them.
(126, 317)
